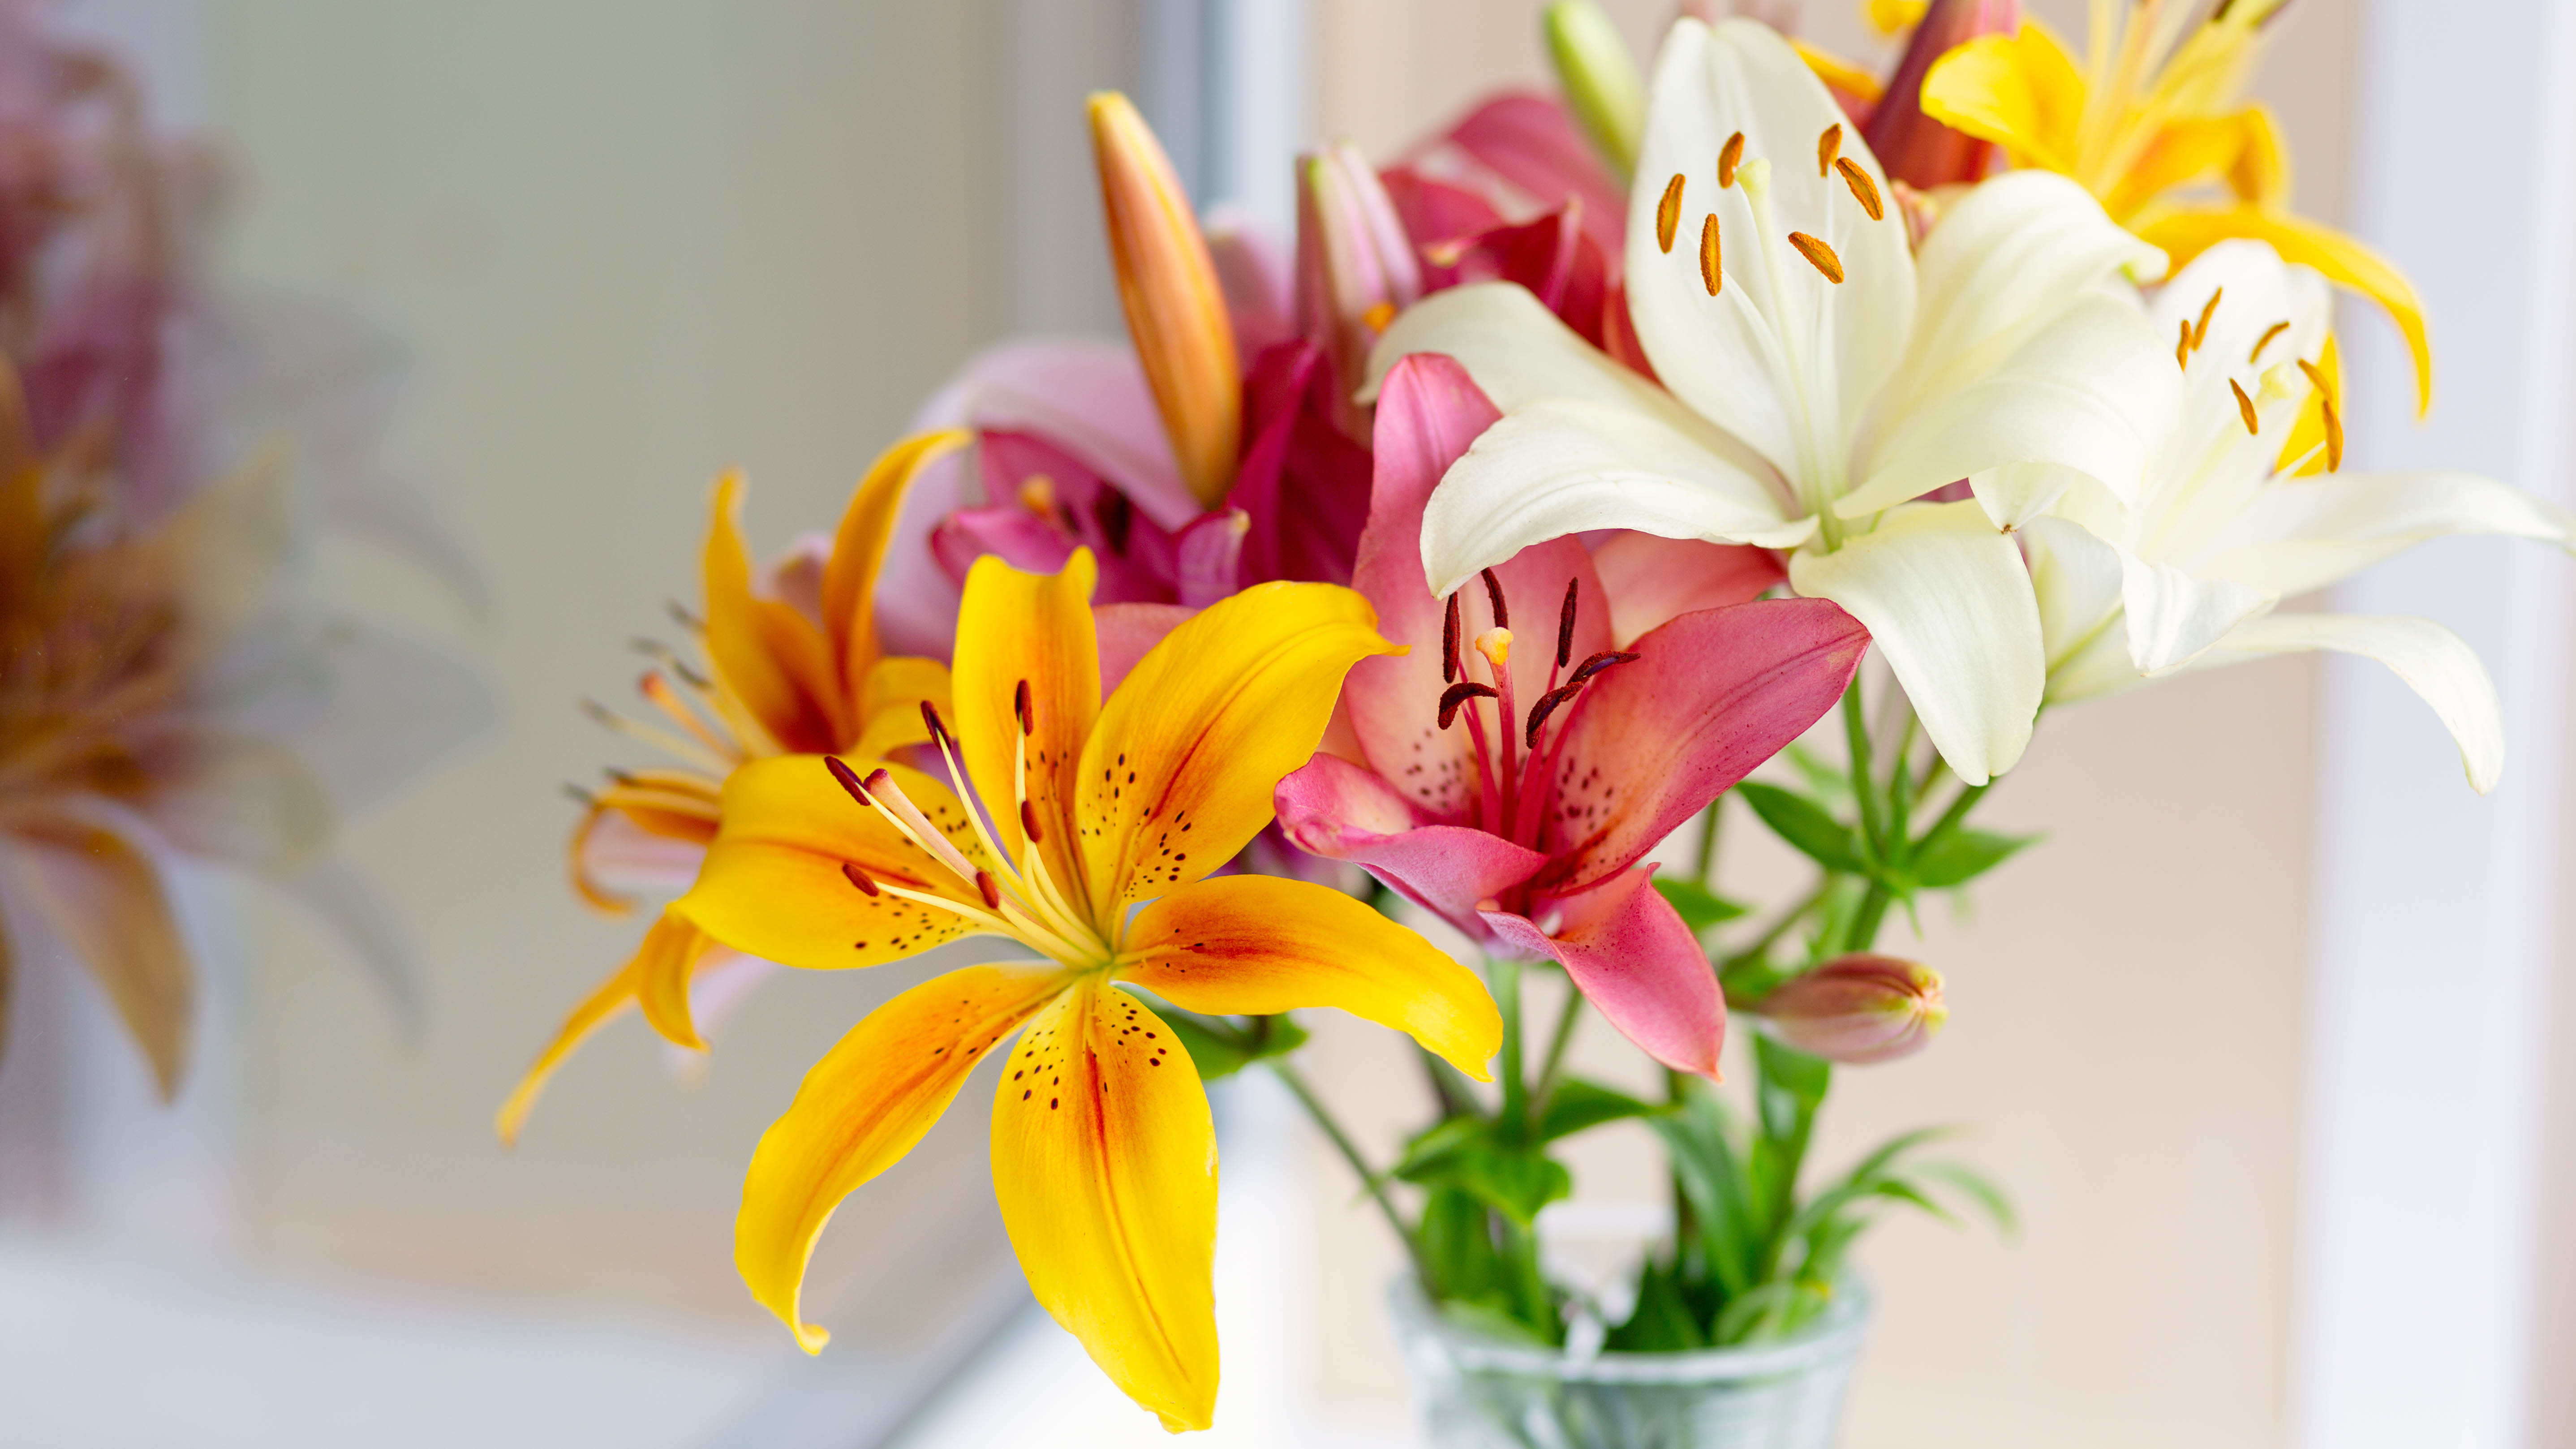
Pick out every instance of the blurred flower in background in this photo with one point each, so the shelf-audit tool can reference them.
(165, 696)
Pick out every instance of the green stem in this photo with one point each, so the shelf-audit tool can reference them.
(1350, 1151)
(1960, 804)
(1792, 916)
(1707, 872)
(1900, 782)
(1507, 998)
(1556, 1045)
(1863, 782)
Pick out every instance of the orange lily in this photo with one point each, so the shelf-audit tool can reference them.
(795, 668)
(1104, 1160)
(2150, 114)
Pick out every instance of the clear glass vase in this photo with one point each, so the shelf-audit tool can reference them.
(1479, 1392)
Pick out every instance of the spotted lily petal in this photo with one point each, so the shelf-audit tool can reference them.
(1017, 627)
(1637, 963)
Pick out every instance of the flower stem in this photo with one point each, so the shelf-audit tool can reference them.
(1350, 1151)
(1566, 1018)
(1507, 997)
(1707, 872)
(1863, 782)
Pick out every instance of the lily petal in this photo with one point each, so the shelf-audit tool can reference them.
(2077, 579)
(1560, 468)
(1341, 811)
(861, 1108)
(765, 654)
(1722, 354)
(1037, 628)
(773, 884)
(1104, 1161)
(1257, 945)
(1709, 697)
(2171, 615)
(1520, 353)
(1635, 960)
(2437, 664)
(105, 898)
(2021, 91)
(1087, 397)
(2305, 535)
(1949, 601)
(890, 705)
(1177, 774)
(1651, 580)
(663, 967)
(601, 1006)
(859, 549)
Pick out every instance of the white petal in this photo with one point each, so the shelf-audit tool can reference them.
(2006, 259)
(1950, 602)
(2016, 493)
(1829, 347)
(1560, 468)
(2076, 578)
(2436, 663)
(2172, 616)
(2256, 291)
(2092, 390)
(2302, 534)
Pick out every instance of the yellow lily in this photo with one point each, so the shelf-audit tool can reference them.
(1104, 1161)
(2152, 111)
(781, 676)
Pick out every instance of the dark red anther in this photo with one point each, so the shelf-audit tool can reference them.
(1020, 707)
(1597, 663)
(1494, 596)
(867, 884)
(1458, 694)
(849, 779)
(991, 888)
(1565, 623)
(1546, 706)
(930, 719)
(1449, 642)
(1029, 821)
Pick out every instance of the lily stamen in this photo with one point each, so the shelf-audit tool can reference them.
(2275, 330)
(1668, 212)
(1712, 270)
(1728, 158)
(1829, 147)
(660, 739)
(1863, 190)
(2200, 329)
(2245, 408)
(1819, 256)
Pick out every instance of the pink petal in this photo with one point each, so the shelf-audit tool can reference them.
(1553, 257)
(1341, 811)
(1138, 558)
(1304, 485)
(1710, 696)
(1651, 580)
(1127, 632)
(1089, 397)
(1529, 141)
(1210, 563)
(1428, 411)
(1435, 211)
(1254, 274)
(1636, 961)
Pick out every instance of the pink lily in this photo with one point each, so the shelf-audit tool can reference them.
(1516, 800)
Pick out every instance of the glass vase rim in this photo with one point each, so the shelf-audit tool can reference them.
(1834, 1334)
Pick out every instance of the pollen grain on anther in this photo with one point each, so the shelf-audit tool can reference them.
(1730, 156)
(2275, 330)
(1712, 263)
(1668, 212)
(858, 877)
(1565, 621)
(1021, 709)
(848, 777)
(2182, 347)
(1494, 597)
(2200, 329)
(1863, 190)
(1029, 822)
(1449, 642)
(1818, 255)
(1457, 695)
(2245, 408)
(1829, 146)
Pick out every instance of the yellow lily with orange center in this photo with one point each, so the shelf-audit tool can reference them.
(1104, 1160)
(796, 668)
(2153, 111)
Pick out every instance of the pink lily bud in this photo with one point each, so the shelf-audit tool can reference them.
(1859, 1009)
(1914, 148)
(1355, 269)
(1167, 283)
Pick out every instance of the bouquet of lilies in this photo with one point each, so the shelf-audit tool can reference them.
(1563, 475)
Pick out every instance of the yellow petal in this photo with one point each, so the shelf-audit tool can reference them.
(859, 548)
(861, 1108)
(768, 658)
(2261, 172)
(604, 1002)
(1104, 1162)
(1839, 75)
(1179, 772)
(663, 966)
(2308, 434)
(2021, 91)
(890, 706)
(773, 884)
(1014, 627)
(1175, 309)
(1890, 16)
(2345, 261)
(1257, 945)
(103, 896)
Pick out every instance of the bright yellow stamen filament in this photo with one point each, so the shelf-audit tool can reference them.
(1044, 915)
(663, 740)
(880, 791)
(658, 691)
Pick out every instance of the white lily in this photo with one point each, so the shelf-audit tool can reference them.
(2190, 571)
(1818, 377)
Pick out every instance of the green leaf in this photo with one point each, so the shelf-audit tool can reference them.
(1662, 1321)
(1805, 1078)
(1697, 905)
(1457, 1249)
(1804, 824)
(1827, 780)
(1963, 855)
(1488, 1316)
(1463, 1155)
(1578, 1105)
(1218, 1048)
(1977, 1188)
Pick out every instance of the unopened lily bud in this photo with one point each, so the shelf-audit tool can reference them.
(1167, 283)
(1859, 1009)
(1602, 86)
(1355, 269)
(1911, 146)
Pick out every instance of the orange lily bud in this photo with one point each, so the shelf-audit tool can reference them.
(1859, 1009)
(1175, 308)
